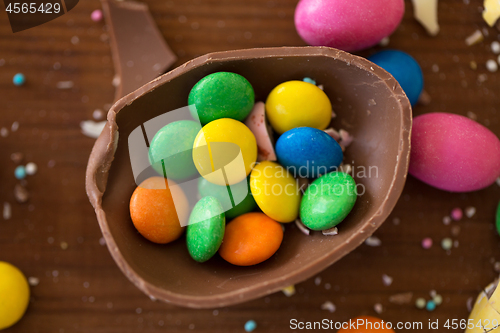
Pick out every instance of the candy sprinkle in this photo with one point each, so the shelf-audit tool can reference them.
(438, 299)
(250, 326)
(289, 291)
(20, 172)
(496, 267)
(471, 115)
(447, 244)
(427, 243)
(373, 241)
(387, 280)
(98, 114)
(385, 41)
(91, 128)
(18, 79)
(309, 80)
(491, 65)
(96, 15)
(329, 306)
(495, 47)
(430, 306)
(317, 280)
(420, 303)
(457, 214)
(31, 168)
(33, 281)
(470, 211)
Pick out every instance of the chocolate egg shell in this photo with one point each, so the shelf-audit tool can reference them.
(167, 273)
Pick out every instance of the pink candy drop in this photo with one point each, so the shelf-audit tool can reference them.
(453, 153)
(349, 25)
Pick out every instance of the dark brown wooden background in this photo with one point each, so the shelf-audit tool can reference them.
(81, 289)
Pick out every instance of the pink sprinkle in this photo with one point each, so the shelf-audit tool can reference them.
(96, 15)
(456, 214)
(426, 243)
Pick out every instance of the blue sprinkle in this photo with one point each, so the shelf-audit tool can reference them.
(18, 79)
(430, 306)
(250, 325)
(20, 172)
(309, 80)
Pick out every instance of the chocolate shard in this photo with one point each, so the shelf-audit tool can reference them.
(140, 53)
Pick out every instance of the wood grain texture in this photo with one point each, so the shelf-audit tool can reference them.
(81, 289)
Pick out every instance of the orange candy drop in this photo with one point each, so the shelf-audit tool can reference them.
(250, 239)
(153, 211)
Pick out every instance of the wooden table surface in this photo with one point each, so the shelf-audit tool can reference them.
(82, 290)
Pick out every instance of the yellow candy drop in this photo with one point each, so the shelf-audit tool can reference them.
(275, 191)
(295, 104)
(224, 151)
(14, 295)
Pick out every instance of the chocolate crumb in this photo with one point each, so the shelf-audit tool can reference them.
(425, 98)
(33, 281)
(7, 211)
(400, 299)
(21, 193)
(302, 227)
(331, 232)
(17, 157)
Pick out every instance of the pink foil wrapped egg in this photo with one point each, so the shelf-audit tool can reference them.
(349, 25)
(453, 153)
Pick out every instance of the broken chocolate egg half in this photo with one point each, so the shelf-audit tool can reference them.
(369, 103)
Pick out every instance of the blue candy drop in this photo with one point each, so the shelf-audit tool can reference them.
(405, 70)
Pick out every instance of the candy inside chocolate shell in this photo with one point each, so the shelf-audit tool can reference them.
(379, 157)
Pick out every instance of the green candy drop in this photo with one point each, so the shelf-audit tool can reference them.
(221, 95)
(205, 230)
(328, 200)
(229, 194)
(173, 144)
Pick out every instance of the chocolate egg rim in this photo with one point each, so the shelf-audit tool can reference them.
(104, 149)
